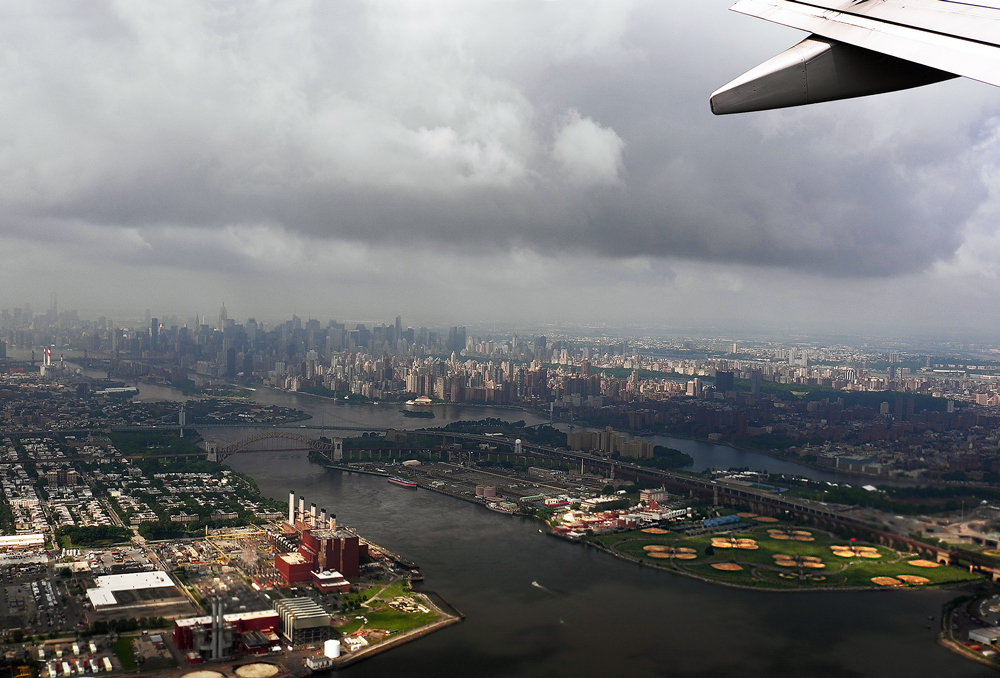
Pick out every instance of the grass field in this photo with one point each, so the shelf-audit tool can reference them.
(126, 655)
(388, 619)
(380, 616)
(760, 568)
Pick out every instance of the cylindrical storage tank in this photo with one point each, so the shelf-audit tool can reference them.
(489, 492)
(331, 648)
(480, 491)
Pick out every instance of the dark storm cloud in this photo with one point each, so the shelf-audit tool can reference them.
(576, 127)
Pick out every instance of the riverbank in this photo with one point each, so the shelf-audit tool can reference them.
(485, 564)
(826, 571)
(447, 619)
(946, 636)
(763, 452)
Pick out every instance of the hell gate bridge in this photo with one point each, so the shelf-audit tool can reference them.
(276, 441)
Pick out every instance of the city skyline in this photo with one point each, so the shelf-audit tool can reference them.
(515, 161)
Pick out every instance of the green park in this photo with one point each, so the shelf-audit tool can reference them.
(391, 608)
(783, 557)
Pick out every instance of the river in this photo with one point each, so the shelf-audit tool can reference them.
(597, 615)
(362, 416)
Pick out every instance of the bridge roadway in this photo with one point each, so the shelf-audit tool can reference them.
(745, 493)
(153, 428)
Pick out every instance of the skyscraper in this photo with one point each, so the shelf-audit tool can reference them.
(154, 332)
(456, 339)
(231, 363)
(540, 346)
(724, 381)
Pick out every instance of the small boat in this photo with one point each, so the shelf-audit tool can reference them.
(402, 483)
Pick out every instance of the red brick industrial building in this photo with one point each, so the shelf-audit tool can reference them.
(320, 550)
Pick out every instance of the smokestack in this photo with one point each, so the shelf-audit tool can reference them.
(291, 507)
(302, 508)
(322, 517)
(312, 515)
(217, 629)
(333, 521)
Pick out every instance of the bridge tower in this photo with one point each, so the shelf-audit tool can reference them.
(212, 450)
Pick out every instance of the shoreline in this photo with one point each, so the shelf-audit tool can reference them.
(767, 453)
(346, 660)
(946, 637)
(641, 563)
(394, 403)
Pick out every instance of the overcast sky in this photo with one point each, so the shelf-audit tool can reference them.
(459, 162)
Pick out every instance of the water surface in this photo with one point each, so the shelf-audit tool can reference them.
(600, 615)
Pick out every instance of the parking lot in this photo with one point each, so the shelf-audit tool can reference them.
(34, 602)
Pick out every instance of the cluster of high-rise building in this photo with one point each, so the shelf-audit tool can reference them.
(393, 361)
(608, 443)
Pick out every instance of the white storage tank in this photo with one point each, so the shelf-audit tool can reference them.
(331, 648)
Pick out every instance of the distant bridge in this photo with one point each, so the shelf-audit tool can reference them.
(276, 441)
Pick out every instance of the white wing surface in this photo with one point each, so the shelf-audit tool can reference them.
(862, 47)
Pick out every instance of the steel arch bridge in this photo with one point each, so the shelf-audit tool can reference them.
(273, 441)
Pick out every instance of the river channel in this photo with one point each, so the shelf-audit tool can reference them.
(593, 615)
(359, 417)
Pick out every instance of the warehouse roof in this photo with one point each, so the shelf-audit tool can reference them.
(21, 540)
(104, 593)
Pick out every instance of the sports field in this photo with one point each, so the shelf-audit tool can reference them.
(781, 556)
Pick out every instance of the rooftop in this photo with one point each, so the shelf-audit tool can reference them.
(104, 593)
(294, 558)
(232, 617)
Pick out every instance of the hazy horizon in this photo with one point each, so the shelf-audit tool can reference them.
(515, 163)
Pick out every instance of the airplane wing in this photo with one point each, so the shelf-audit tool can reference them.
(862, 47)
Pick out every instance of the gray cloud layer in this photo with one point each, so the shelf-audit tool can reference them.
(178, 133)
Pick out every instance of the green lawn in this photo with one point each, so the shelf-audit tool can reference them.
(126, 655)
(380, 616)
(394, 590)
(759, 564)
(388, 620)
